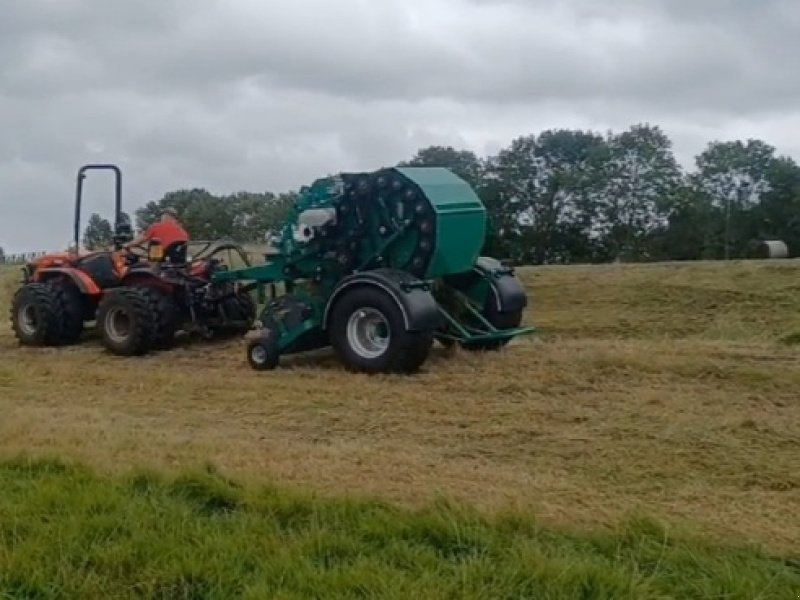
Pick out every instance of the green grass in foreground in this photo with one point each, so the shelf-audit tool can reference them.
(68, 533)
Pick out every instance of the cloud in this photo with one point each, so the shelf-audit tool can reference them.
(256, 95)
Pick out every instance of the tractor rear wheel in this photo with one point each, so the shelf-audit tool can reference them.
(242, 308)
(368, 333)
(37, 315)
(239, 312)
(127, 321)
(165, 314)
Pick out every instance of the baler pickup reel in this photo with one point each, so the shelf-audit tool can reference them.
(379, 265)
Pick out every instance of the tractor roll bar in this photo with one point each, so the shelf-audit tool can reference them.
(79, 195)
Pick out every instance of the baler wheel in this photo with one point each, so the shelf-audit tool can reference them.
(262, 351)
(369, 335)
(127, 322)
(500, 320)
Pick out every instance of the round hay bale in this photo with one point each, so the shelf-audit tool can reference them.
(771, 249)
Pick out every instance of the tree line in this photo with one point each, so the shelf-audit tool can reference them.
(567, 196)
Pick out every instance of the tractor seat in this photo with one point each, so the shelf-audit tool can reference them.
(176, 254)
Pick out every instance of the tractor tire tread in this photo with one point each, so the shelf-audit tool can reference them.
(144, 322)
(165, 313)
(50, 315)
(71, 302)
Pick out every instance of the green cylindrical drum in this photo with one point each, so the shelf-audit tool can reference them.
(422, 220)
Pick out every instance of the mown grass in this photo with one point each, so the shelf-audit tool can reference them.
(66, 532)
(669, 391)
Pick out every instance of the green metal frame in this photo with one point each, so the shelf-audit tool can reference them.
(459, 219)
(467, 334)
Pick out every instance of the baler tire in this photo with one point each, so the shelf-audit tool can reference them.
(263, 353)
(39, 304)
(142, 320)
(500, 320)
(405, 351)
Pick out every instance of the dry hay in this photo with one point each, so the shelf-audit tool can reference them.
(672, 390)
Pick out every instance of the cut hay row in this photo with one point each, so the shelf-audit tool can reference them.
(663, 390)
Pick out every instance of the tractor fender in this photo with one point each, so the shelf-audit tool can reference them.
(133, 273)
(507, 292)
(144, 276)
(81, 280)
(413, 297)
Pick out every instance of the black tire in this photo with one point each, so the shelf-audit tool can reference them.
(165, 314)
(262, 351)
(37, 315)
(402, 351)
(509, 319)
(126, 321)
(239, 307)
(73, 304)
(500, 320)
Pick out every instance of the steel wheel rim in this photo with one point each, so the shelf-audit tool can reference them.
(368, 332)
(117, 324)
(26, 317)
(258, 354)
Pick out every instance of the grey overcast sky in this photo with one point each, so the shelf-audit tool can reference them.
(268, 95)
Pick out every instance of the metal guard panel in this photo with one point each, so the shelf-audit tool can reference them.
(507, 291)
(461, 219)
(508, 294)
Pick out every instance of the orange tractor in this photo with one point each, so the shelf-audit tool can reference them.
(139, 297)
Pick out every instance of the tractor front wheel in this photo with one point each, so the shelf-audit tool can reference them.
(73, 307)
(127, 322)
(37, 315)
(368, 333)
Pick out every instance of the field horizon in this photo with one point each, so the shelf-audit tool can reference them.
(660, 391)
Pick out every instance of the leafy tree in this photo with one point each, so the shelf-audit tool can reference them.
(243, 216)
(98, 233)
(778, 214)
(688, 233)
(463, 163)
(734, 175)
(549, 187)
(642, 177)
(574, 196)
(258, 214)
(199, 211)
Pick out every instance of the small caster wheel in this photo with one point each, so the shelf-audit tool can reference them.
(262, 352)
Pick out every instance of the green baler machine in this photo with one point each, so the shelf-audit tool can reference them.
(379, 265)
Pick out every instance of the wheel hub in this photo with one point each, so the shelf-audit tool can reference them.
(368, 332)
(117, 324)
(27, 319)
(259, 354)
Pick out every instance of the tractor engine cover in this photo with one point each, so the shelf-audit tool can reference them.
(425, 221)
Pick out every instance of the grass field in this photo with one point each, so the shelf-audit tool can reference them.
(669, 393)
